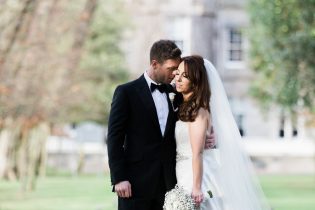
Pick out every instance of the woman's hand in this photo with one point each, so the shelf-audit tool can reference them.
(197, 195)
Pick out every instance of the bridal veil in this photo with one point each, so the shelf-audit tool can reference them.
(237, 180)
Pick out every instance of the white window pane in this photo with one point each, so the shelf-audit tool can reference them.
(235, 45)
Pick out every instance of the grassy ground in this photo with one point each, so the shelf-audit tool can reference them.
(290, 192)
(60, 193)
(94, 193)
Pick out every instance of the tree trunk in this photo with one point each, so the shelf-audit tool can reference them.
(33, 150)
(81, 34)
(11, 172)
(4, 145)
(22, 19)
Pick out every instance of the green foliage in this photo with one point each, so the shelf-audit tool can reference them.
(64, 58)
(282, 36)
(103, 65)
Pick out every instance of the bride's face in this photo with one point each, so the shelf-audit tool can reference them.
(183, 84)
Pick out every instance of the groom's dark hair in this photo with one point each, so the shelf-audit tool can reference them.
(163, 50)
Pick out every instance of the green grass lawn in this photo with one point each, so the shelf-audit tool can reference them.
(290, 192)
(60, 193)
(94, 193)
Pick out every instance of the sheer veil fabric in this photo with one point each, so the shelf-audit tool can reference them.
(235, 175)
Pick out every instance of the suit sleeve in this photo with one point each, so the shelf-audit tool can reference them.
(116, 135)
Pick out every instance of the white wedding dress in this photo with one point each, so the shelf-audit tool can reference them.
(184, 172)
(227, 171)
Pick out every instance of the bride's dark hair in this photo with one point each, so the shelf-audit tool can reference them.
(200, 98)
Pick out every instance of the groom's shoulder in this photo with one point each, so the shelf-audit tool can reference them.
(130, 85)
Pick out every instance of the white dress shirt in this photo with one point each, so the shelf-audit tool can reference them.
(160, 101)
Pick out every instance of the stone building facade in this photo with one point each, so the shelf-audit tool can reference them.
(216, 30)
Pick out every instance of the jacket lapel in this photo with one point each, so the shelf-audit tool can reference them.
(171, 115)
(147, 100)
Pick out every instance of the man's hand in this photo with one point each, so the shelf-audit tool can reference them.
(123, 189)
(210, 140)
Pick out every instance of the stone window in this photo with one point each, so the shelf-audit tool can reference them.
(235, 45)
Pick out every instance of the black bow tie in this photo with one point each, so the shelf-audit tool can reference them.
(161, 88)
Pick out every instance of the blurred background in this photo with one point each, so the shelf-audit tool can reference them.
(60, 62)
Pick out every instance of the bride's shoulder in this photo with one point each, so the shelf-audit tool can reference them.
(203, 113)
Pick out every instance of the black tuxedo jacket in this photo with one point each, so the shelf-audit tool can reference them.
(137, 150)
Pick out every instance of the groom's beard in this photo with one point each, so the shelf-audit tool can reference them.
(170, 80)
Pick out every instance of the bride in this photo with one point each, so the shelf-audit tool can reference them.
(216, 179)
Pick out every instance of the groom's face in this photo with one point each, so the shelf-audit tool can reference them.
(165, 70)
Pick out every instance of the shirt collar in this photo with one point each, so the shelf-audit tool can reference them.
(148, 79)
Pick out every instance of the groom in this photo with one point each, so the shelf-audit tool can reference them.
(141, 144)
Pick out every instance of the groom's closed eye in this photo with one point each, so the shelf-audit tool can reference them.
(173, 68)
